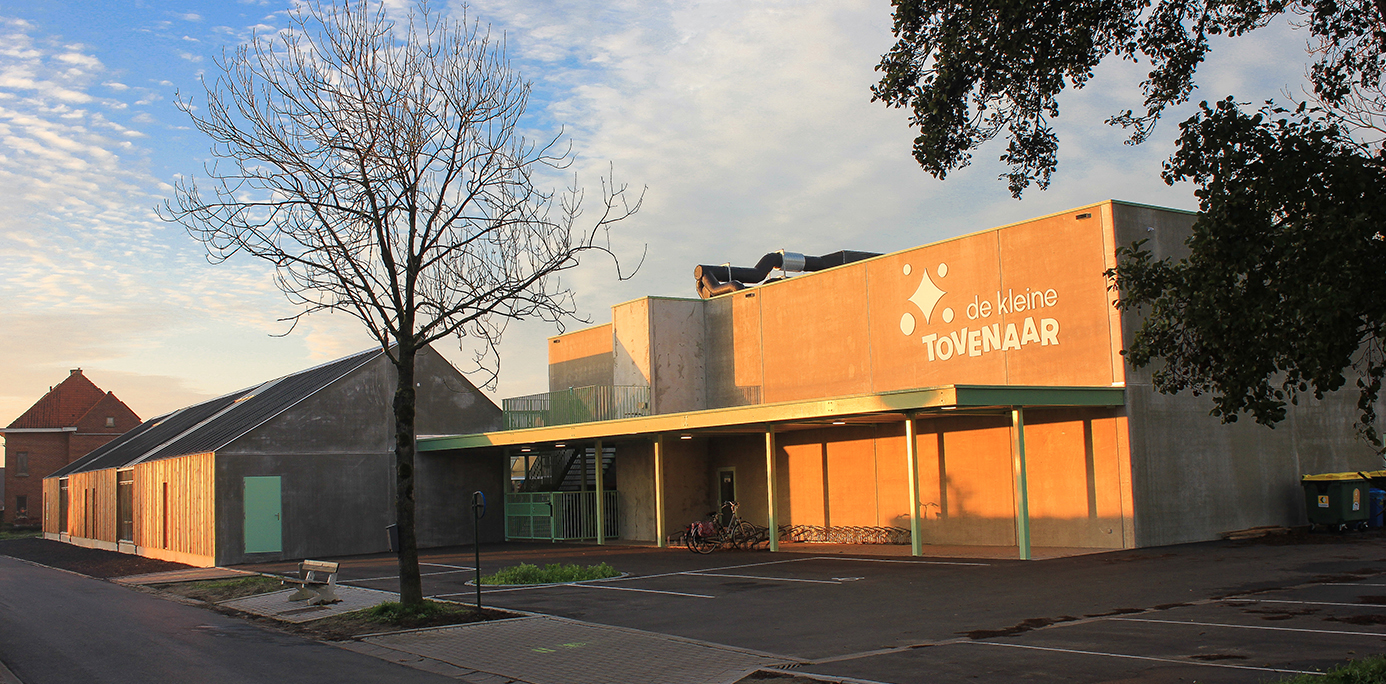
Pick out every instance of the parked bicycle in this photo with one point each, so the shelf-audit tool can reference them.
(706, 536)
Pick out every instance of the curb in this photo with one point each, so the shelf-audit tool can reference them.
(7, 677)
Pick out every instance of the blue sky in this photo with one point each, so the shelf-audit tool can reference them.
(750, 123)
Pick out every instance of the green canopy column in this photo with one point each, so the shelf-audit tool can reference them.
(660, 536)
(1022, 492)
(601, 496)
(772, 489)
(912, 460)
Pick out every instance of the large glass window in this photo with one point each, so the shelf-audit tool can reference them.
(125, 505)
(62, 505)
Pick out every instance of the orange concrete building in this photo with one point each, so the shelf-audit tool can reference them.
(967, 392)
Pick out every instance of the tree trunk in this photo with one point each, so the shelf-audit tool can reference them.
(410, 582)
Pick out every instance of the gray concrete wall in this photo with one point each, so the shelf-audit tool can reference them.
(333, 504)
(687, 484)
(630, 323)
(660, 343)
(634, 464)
(351, 416)
(448, 403)
(677, 336)
(582, 372)
(1193, 476)
(335, 452)
(443, 492)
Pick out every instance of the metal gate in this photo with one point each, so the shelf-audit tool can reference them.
(560, 516)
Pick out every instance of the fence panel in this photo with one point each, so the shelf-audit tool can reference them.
(576, 405)
(560, 516)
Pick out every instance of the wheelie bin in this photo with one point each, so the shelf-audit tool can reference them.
(1337, 501)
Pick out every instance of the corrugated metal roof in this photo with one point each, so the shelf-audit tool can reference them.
(261, 404)
(151, 434)
(213, 424)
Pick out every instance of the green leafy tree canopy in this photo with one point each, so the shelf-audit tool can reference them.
(1281, 293)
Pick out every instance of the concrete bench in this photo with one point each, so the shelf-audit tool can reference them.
(317, 582)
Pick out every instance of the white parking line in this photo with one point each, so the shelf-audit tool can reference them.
(1140, 657)
(442, 565)
(1266, 627)
(754, 577)
(422, 574)
(1347, 584)
(1306, 603)
(647, 591)
(891, 560)
(686, 572)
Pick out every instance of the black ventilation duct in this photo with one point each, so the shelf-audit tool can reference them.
(718, 280)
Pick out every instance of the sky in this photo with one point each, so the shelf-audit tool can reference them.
(750, 125)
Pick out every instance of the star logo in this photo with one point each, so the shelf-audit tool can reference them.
(926, 297)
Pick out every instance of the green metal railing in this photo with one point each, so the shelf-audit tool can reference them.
(576, 405)
(560, 516)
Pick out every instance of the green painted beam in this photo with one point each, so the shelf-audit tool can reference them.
(923, 401)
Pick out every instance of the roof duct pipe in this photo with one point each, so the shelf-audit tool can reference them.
(712, 281)
(718, 280)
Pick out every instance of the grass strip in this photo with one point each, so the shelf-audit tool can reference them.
(554, 573)
(1365, 671)
(217, 590)
(393, 616)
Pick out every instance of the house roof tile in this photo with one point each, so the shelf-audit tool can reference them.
(64, 405)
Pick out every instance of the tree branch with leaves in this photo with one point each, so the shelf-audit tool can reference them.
(1281, 293)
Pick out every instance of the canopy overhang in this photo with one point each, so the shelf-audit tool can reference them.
(884, 407)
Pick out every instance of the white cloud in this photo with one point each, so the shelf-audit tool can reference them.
(190, 16)
(88, 275)
(751, 123)
(753, 126)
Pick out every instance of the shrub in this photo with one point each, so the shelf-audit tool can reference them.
(1366, 671)
(554, 573)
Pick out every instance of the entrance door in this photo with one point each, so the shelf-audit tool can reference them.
(263, 529)
(726, 491)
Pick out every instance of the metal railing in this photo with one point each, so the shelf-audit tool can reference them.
(560, 516)
(576, 405)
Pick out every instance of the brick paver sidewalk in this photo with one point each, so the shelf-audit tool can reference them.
(548, 650)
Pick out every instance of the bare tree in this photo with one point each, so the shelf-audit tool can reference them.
(379, 167)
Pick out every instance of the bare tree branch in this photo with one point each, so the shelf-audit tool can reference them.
(379, 166)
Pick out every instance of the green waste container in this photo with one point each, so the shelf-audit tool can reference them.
(1337, 501)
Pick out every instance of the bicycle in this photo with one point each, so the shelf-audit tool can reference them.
(706, 536)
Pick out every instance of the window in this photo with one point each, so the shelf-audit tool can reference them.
(21, 464)
(125, 505)
(110, 421)
(21, 506)
(62, 505)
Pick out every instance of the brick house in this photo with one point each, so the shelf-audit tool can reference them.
(71, 420)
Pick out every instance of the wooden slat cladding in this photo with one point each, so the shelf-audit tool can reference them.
(92, 505)
(175, 505)
(50, 506)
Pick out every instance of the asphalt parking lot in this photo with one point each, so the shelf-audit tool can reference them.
(1250, 611)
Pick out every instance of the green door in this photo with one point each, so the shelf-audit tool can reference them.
(263, 531)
